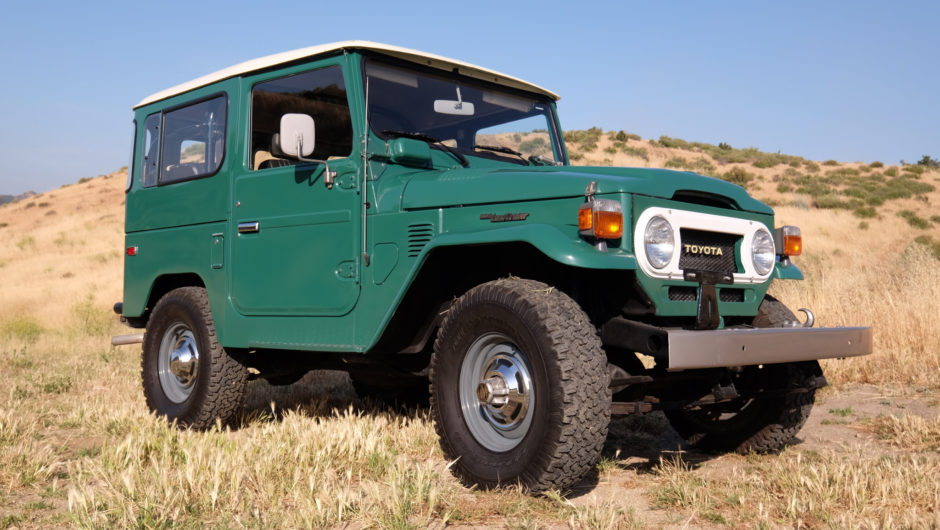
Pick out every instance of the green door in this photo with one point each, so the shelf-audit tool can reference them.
(296, 243)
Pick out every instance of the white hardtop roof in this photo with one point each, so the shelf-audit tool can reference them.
(415, 56)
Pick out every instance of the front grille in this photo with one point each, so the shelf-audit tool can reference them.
(683, 293)
(731, 295)
(708, 251)
(679, 293)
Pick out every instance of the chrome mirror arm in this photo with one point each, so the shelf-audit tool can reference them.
(329, 176)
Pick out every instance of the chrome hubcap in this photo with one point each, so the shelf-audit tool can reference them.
(178, 362)
(496, 392)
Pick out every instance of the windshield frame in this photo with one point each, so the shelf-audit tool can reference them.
(548, 110)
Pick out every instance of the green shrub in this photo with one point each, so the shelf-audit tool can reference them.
(812, 167)
(724, 146)
(916, 170)
(765, 162)
(90, 317)
(26, 242)
(914, 220)
(784, 187)
(610, 150)
(830, 163)
(863, 225)
(666, 141)
(927, 241)
(639, 152)
(676, 162)
(876, 164)
(25, 328)
(574, 155)
(737, 175)
(535, 144)
(927, 161)
(619, 136)
(891, 172)
(589, 136)
(829, 201)
(865, 212)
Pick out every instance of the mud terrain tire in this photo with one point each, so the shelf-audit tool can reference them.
(765, 425)
(552, 430)
(187, 375)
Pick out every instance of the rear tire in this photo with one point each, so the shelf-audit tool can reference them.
(188, 377)
(532, 346)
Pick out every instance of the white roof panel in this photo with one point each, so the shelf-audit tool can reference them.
(427, 59)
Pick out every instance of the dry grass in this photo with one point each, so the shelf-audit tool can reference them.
(910, 432)
(808, 490)
(77, 446)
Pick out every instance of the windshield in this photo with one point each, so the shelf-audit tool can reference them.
(470, 117)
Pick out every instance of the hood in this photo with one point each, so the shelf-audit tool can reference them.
(461, 187)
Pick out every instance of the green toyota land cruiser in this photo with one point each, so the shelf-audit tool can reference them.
(414, 220)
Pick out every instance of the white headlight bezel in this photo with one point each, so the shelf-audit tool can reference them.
(683, 219)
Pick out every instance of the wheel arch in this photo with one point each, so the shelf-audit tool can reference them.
(160, 286)
(448, 271)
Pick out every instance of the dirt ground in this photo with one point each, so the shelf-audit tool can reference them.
(837, 424)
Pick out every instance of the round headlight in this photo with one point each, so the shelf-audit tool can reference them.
(660, 242)
(762, 252)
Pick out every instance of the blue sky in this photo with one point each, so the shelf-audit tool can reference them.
(844, 80)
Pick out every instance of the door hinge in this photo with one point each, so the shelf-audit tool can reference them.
(346, 269)
(346, 182)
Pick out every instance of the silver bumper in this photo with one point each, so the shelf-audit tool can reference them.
(740, 347)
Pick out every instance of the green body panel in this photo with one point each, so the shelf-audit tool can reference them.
(787, 271)
(300, 282)
(484, 185)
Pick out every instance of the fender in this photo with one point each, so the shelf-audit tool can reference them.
(547, 238)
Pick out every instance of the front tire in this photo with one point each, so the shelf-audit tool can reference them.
(519, 387)
(756, 424)
(188, 377)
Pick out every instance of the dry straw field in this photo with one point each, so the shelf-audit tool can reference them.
(78, 448)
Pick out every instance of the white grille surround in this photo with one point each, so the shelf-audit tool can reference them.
(680, 219)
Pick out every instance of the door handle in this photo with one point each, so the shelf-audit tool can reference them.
(250, 227)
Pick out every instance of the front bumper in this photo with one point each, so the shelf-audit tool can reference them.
(679, 349)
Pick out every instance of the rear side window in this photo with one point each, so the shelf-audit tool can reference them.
(151, 162)
(193, 141)
(320, 94)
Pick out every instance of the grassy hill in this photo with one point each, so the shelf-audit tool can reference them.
(77, 445)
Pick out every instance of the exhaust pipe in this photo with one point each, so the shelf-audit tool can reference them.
(123, 340)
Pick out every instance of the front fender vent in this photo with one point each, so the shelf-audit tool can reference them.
(419, 235)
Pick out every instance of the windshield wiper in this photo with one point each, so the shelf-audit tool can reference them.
(539, 160)
(429, 139)
(501, 149)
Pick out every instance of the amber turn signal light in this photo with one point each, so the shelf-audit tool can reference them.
(601, 218)
(788, 240)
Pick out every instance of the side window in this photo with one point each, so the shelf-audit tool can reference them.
(320, 94)
(151, 165)
(193, 141)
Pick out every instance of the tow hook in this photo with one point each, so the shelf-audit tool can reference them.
(808, 323)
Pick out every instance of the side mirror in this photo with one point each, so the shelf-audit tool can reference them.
(297, 138)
